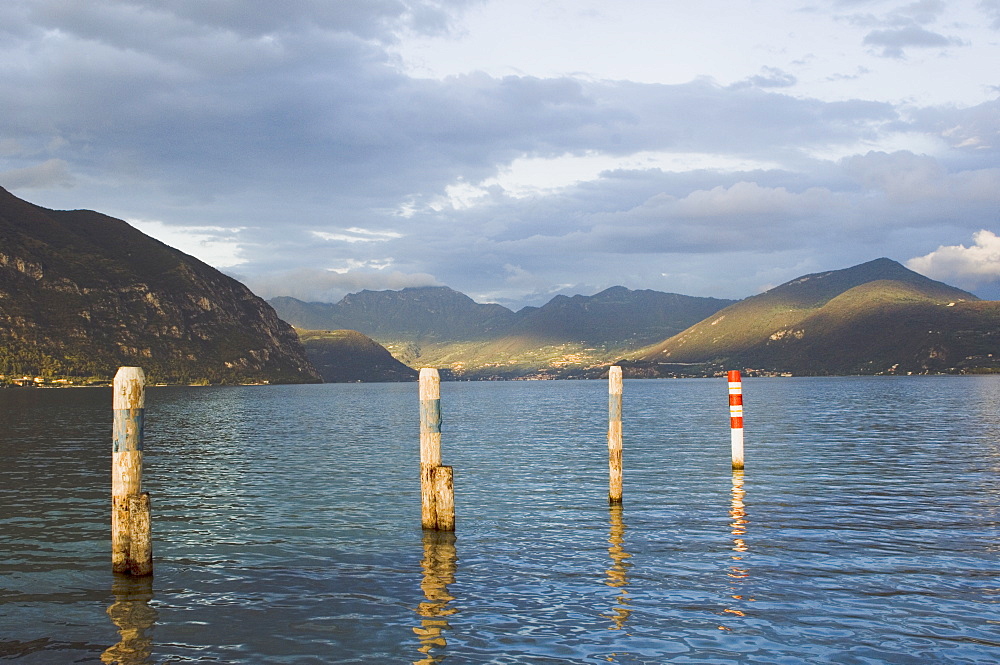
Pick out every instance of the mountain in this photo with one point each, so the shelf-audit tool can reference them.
(418, 314)
(347, 356)
(615, 317)
(82, 293)
(440, 327)
(877, 317)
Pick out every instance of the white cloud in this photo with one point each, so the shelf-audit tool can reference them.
(215, 245)
(355, 234)
(969, 266)
(353, 265)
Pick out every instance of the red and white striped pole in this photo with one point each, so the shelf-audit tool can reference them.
(736, 417)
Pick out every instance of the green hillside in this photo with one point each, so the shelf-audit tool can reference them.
(878, 317)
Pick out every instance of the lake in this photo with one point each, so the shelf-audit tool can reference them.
(286, 525)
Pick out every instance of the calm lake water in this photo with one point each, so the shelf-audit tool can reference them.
(286, 526)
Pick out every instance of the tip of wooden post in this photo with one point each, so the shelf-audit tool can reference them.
(130, 373)
(430, 384)
(129, 388)
(734, 375)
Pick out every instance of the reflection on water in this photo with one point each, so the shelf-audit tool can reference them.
(134, 618)
(617, 574)
(738, 572)
(439, 571)
(283, 568)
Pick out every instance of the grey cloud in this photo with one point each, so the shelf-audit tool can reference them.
(771, 77)
(920, 12)
(894, 41)
(992, 9)
(902, 176)
(368, 19)
(858, 73)
(702, 116)
(207, 118)
(282, 119)
(904, 27)
(974, 132)
(51, 173)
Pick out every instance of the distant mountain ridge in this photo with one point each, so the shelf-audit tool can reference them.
(438, 326)
(876, 317)
(82, 293)
(615, 317)
(429, 313)
(438, 313)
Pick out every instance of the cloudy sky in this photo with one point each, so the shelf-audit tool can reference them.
(514, 149)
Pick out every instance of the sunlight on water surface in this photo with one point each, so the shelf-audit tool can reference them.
(286, 526)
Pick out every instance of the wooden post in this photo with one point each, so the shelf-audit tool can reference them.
(444, 498)
(736, 417)
(615, 435)
(437, 499)
(131, 551)
(140, 547)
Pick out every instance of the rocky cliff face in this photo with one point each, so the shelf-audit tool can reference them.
(82, 293)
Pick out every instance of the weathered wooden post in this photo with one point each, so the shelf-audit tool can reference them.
(437, 498)
(736, 417)
(444, 498)
(615, 434)
(131, 548)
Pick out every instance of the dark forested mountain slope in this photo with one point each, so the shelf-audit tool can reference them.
(82, 293)
(347, 356)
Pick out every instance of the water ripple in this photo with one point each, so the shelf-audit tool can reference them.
(286, 526)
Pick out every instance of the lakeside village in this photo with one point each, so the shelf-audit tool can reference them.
(19, 381)
(89, 382)
(49, 382)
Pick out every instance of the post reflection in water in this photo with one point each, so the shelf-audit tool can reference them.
(135, 619)
(738, 572)
(617, 574)
(439, 571)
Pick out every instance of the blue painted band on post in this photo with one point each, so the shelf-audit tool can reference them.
(430, 415)
(129, 430)
(615, 407)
